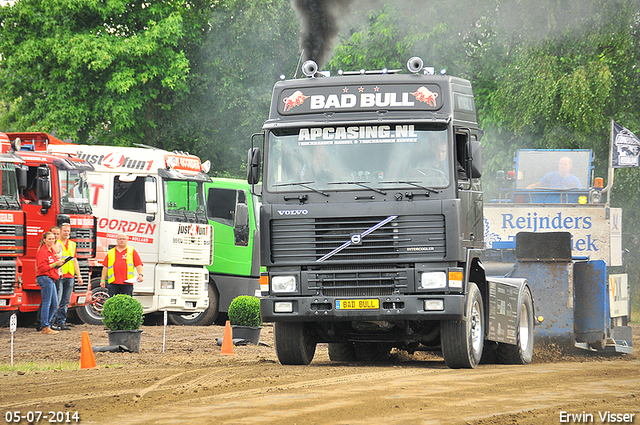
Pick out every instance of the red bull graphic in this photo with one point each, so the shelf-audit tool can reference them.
(296, 99)
(425, 95)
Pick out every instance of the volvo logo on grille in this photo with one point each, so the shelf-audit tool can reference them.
(356, 239)
(293, 212)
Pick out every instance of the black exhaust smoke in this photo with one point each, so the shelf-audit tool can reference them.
(320, 25)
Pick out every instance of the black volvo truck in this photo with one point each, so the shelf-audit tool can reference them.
(371, 221)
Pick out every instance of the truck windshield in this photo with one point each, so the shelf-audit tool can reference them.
(553, 169)
(357, 157)
(74, 192)
(9, 189)
(184, 201)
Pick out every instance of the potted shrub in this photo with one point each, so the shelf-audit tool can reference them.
(244, 317)
(122, 314)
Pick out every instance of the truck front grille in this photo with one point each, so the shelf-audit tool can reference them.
(300, 241)
(85, 240)
(85, 269)
(8, 270)
(378, 281)
(192, 283)
(12, 240)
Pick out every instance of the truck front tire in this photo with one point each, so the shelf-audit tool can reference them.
(205, 318)
(294, 345)
(463, 340)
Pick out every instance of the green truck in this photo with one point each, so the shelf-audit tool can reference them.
(235, 270)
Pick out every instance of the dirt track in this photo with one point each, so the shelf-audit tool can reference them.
(192, 383)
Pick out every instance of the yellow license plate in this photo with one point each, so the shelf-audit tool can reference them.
(357, 304)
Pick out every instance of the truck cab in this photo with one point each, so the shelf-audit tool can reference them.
(156, 198)
(56, 192)
(12, 225)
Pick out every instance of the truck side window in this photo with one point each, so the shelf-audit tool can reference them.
(461, 163)
(30, 192)
(129, 196)
(221, 205)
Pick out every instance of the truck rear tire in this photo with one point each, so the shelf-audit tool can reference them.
(342, 352)
(91, 313)
(294, 345)
(463, 340)
(522, 351)
(206, 318)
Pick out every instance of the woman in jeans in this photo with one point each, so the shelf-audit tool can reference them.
(48, 272)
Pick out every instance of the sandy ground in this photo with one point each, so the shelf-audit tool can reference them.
(192, 383)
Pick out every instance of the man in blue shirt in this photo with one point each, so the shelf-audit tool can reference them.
(561, 179)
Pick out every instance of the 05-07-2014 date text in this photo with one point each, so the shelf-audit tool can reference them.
(34, 416)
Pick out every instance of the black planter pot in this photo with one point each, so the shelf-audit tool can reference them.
(250, 333)
(128, 338)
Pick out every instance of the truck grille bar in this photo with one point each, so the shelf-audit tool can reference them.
(381, 280)
(302, 241)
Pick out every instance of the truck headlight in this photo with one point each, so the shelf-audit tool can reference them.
(283, 284)
(433, 280)
(167, 284)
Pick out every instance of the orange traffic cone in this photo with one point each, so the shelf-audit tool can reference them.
(227, 341)
(87, 359)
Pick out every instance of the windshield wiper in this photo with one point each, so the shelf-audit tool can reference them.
(413, 183)
(6, 200)
(362, 184)
(303, 184)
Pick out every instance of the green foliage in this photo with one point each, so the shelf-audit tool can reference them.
(122, 312)
(245, 311)
(85, 69)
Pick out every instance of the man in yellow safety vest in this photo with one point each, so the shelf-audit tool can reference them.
(118, 268)
(69, 272)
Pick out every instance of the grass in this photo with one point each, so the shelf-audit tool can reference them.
(36, 367)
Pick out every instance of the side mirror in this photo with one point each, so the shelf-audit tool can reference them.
(21, 174)
(474, 153)
(150, 195)
(253, 166)
(43, 189)
(241, 228)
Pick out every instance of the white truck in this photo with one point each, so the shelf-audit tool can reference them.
(156, 197)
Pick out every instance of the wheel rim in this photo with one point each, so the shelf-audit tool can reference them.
(523, 327)
(476, 327)
(191, 316)
(98, 299)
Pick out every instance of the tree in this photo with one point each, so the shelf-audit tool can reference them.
(91, 70)
(251, 44)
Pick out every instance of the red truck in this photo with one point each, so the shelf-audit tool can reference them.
(56, 192)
